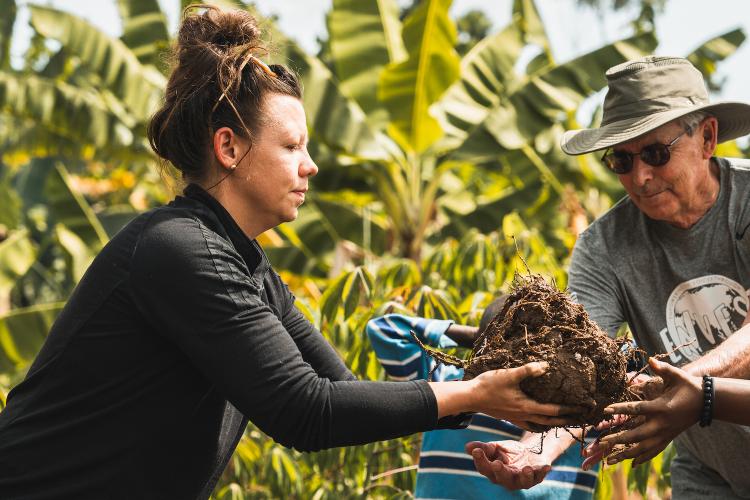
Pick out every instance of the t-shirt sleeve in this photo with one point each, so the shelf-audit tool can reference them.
(192, 289)
(593, 283)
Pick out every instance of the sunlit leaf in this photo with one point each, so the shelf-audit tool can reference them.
(364, 37)
(22, 333)
(139, 88)
(80, 254)
(488, 74)
(547, 98)
(8, 8)
(71, 209)
(144, 29)
(710, 53)
(409, 88)
(62, 109)
(17, 254)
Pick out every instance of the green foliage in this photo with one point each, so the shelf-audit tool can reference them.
(144, 29)
(8, 8)
(137, 88)
(408, 88)
(472, 28)
(709, 54)
(22, 332)
(364, 37)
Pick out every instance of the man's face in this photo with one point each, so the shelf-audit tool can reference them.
(675, 191)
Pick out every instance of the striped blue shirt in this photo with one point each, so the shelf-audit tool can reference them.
(445, 470)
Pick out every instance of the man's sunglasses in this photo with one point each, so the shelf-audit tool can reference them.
(656, 155)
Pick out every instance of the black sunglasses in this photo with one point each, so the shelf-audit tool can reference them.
(656, 155)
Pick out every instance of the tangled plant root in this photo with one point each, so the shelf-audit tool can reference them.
(587, 369)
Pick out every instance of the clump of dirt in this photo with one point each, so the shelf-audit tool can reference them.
(541, 323)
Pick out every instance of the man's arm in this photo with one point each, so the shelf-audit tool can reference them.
(462, 335)
(400, 355)
(730, 359)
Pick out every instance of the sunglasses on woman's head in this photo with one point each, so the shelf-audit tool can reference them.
(656, 155)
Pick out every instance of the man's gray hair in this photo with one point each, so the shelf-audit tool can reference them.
(691, 121)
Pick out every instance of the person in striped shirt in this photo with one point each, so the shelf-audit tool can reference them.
(447, 460)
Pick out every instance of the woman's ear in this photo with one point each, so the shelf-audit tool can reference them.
(226, 148)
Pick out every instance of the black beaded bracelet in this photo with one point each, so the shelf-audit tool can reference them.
(707, 412)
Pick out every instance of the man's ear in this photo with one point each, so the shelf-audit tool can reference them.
(226, 148)
(710, 136)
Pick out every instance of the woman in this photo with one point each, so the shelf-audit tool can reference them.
(180, 331)
(680, 401)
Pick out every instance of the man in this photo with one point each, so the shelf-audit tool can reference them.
(446, 470)
(672, 259)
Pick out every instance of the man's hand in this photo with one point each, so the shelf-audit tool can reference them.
(510, 464)
(648, 388)
(669, 408)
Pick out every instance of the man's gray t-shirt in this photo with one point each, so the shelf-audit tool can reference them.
(673, 287)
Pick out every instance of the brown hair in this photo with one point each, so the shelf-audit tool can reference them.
(216, 81)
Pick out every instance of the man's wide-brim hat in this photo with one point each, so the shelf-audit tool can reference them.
(647, 93)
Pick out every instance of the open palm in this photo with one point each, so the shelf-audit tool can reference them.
(510, 464)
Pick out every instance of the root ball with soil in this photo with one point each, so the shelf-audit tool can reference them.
(539, 322)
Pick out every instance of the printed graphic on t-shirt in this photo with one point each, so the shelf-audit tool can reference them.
(701, 314)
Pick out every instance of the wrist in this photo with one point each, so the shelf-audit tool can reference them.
(455, 397)
(476, 394)
(552, 447)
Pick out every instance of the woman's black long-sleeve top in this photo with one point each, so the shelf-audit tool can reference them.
(177, 334)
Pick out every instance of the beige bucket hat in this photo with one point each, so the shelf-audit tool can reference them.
(647, 93)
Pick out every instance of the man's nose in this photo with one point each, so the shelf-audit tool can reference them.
(642, 172)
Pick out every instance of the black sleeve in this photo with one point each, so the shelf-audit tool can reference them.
(314, 348)
(220, 322)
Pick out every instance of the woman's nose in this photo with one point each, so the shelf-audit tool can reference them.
(308, 167)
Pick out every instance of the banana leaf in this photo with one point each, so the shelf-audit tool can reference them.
(547, 98)
(364, 37)
(710, 53)
(409, 88)
(488, 73)
(8, 8)
(17, 255)
(22, 333)
(73, 113)
(144, 29)
(70, 209)
(139, 88)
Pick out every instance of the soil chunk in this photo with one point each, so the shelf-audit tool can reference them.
(541, 323)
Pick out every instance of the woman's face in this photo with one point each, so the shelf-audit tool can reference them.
(273, 178)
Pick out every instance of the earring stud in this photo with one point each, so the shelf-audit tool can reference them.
(232, 166)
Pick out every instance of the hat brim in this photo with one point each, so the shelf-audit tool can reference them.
(733, 118)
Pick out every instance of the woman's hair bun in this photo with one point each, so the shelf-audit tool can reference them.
(222, 29)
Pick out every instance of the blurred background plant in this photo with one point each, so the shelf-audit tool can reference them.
(439, 171)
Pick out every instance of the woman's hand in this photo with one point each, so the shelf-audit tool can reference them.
(656, 422)
(498, 394)
(510, 464)
(502, 397)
